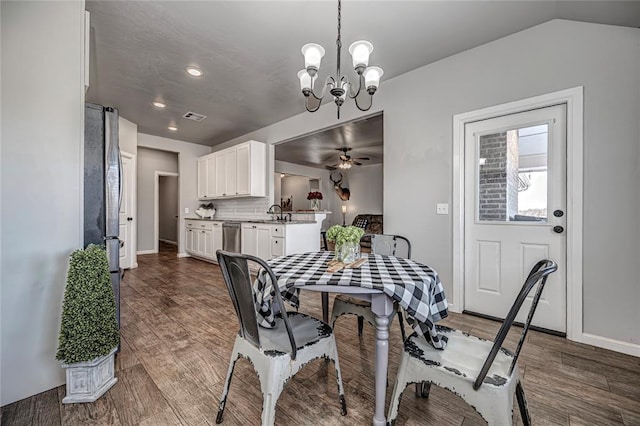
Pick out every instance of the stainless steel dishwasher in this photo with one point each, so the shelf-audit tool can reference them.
(231, 236)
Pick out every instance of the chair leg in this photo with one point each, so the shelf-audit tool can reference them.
(227, 384)
(401, 383)
(268, 409)
(423, 389)
(360, 325)
(401, 322)
(522, 404)
(336, 364)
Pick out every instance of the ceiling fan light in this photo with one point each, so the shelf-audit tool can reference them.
(372, 77)
(313, 54)
(344, 165)
(360, 51)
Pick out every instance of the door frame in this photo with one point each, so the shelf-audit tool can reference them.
(133, 244)
(156, 208)
(573, 98)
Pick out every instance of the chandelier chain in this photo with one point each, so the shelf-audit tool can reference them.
(339, 39)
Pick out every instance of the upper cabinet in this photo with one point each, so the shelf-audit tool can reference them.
(239, 171)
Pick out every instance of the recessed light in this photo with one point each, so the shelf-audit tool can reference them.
(159, 104)
(194, 72)
(173, 128)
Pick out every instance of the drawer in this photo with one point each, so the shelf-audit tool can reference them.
(277, 230)
(277, 246)
(199, 224)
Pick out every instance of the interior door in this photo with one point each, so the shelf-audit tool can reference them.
(515, 198)
(126, 212)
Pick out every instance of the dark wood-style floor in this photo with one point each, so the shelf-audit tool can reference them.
(178, 328)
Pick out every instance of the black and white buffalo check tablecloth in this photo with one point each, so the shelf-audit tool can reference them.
(414, 286)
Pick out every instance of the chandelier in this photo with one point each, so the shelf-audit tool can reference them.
(339, 86)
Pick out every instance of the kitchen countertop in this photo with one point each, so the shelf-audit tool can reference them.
(266, 221)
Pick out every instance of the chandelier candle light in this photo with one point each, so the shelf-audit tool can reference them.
(339, 87)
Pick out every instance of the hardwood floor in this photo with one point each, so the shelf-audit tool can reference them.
(178, 328)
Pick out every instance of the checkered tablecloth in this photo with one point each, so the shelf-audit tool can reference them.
(414, 286)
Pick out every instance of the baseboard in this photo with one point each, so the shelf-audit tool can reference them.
(451, 308)
(147, 252)
(611, 344)
(173, 243)
(134, 266)
(184, 255)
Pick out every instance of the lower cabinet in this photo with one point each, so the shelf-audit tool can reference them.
(203, 238)
(256, 240)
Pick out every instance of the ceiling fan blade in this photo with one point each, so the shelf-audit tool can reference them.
(362, 158)
(357, 163)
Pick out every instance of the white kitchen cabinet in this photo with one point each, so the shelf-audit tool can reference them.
(206, 177)
(256, 240)
(239, 171)
(203, 238)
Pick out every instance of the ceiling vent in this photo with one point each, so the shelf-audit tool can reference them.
(194, 116)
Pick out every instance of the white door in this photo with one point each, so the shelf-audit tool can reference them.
(264, 242)
(221, 175)
(515, 198)
(243, 158)
(249, 238)
(127, 211)
(231, 171)
(203, 179)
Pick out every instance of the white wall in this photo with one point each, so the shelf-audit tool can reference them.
(298, 188)
(418, 109)
(150, 161)
(41, 182)
(168, 208)
(188, 154)
(127, 135)
(365, 184)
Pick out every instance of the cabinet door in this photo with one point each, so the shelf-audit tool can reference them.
(243, 162)
(211, 177)
(217, 237)
(264, 242)
(221, 175)
(191, 246)
(208, 244)
(202, 179)
(231, 172)
(250, 239)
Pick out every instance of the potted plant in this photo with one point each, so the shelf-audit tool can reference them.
(89, 333)
(315, 197)
(347, 242)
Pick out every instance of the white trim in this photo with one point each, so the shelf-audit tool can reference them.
(156, 205)
(611, 344)
(133, 244)
(173, 243)
(134, 266)
(184, 255)
(147, 252)
(573, 98)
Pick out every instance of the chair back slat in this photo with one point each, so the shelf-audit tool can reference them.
(235, 271)
(390, 245)
(538, 275)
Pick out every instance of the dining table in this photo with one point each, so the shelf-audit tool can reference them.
(382, 280)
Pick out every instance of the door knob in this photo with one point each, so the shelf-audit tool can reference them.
(129, 219)
(558, 229)
(558, 213)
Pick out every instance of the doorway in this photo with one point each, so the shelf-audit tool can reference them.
(127, 212)
(166, 209)
(488, 249)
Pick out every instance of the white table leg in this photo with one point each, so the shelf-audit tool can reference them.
(382, 306)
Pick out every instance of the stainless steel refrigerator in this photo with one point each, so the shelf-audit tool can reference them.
(103, 187)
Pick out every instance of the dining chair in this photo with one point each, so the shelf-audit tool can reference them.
(481, 372)
(277, 353)
(384, 244)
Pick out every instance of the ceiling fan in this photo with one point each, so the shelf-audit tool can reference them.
(346, 161)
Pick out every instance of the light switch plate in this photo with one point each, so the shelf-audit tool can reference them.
(186, 210)
(442, 208)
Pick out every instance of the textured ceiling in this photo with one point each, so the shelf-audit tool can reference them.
(250, 51)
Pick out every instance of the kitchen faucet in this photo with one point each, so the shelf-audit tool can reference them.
(272, 212)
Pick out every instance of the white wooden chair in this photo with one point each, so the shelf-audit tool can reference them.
(481, 372)
(277, 353)
(389, 245)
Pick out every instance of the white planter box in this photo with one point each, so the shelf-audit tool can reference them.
(88, 381)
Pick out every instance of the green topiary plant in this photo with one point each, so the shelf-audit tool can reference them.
(89, 326)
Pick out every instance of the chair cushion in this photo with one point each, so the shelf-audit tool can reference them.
(464, 356)
(306, 330)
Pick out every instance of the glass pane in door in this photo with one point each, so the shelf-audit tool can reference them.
(512, 175)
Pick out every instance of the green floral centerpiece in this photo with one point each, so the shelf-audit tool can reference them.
(347, 241)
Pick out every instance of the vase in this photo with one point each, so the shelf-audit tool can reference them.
(315, 204)
(348, 252)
